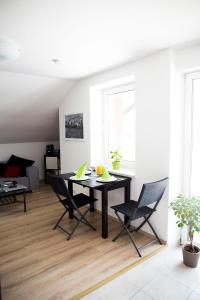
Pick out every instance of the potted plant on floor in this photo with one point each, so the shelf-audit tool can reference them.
(116, 156)
(187, 210)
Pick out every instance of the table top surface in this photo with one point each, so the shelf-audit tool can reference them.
(18, 187)
(91, 182)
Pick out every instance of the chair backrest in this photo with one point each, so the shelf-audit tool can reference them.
(59, 186)
(152, 192)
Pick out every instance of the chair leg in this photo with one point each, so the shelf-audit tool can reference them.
(146, 220)
(88, 224)
(129, 234)
(71, 233)
(119, 234)
(154, 232)
(140, 226)
(83, 220)
(134, 244)
(59, 220)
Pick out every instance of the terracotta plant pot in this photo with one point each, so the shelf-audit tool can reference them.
(191, 259)
(116, 165)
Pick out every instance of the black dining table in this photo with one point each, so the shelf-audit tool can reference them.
(92, 184)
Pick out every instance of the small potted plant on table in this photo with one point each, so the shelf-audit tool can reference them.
(187, 210)
(116, 156)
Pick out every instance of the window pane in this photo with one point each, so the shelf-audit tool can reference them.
(195, 177)
(121, 123)
(195, 157)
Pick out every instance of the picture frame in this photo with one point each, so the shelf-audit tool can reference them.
(74, 127)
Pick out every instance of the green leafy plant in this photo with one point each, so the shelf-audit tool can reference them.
(187, 210)
(116, 155)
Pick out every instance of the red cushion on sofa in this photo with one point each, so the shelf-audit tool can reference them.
(23, 163)
(12, 171)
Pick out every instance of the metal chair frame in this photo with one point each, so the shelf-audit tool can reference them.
(126, 226)
(70, 206)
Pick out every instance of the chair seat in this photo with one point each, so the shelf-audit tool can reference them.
(81, 200)
(129, 207)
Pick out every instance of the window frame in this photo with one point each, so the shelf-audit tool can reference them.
(188, 131)
(107, 92)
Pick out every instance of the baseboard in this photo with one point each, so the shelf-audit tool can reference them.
(142, 231)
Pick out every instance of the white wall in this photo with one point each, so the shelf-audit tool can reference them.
(176, 144)
(152, 129)
(34, 151)
(187, 59)
(152, 77)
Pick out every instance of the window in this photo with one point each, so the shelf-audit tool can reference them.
(192, 137)
(193, 132)
(119, 122)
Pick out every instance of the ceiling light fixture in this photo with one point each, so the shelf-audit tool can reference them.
(9, 50)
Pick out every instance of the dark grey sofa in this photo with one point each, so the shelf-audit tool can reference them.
(31, 180)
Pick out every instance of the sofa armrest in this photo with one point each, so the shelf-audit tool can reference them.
(33, 176)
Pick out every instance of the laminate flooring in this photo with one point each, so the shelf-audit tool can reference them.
(38, 263)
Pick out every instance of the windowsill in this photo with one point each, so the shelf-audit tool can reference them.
(130, 172)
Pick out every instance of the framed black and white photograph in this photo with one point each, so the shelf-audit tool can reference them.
(74, 126)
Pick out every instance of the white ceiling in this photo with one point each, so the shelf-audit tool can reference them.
(89, 36)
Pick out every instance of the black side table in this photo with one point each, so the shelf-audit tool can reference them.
(13, 191)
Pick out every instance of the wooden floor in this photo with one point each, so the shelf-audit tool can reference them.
(37, 263)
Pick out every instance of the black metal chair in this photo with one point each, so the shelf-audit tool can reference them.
(151, 193)
(71, 203)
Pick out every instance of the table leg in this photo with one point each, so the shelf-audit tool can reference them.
(24, 197)
(92, 208)
(70, 188)
(126, 197)
(104, 214)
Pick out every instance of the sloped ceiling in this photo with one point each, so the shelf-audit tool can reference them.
(29, 107)
(86, 36)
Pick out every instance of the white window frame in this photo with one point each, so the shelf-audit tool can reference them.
(106, 93)
(188, 136)
(188, 141)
